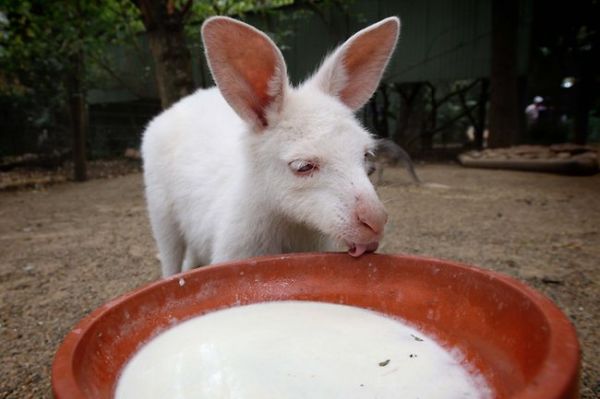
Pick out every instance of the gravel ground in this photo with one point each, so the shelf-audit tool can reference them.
(67, 249)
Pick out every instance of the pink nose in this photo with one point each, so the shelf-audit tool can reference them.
(371, 215)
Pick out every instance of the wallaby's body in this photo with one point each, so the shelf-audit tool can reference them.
(388, 153)
(257, 167)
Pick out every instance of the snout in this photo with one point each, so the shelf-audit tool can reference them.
(372, 216)
(370, 221)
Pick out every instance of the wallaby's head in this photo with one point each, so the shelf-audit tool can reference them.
(306, 152)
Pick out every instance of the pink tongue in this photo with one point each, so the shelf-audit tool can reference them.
(359, 249)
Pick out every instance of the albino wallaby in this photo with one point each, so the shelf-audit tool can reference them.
(388, 153)
(255, 166)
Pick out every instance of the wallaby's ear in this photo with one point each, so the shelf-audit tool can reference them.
(247, 67)
(354, 70)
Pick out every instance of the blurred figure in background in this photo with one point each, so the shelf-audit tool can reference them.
(470, 133)
(533, 110)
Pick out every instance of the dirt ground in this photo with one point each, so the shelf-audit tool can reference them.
(69, 248)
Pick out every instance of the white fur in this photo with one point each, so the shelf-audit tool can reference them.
(219, 187)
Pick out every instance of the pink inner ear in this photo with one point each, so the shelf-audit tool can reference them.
(243, 62)
(364, 61)
(253, 62)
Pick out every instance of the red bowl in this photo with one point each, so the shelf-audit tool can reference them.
(519, 340)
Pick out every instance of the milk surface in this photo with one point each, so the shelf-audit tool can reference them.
(294, 349)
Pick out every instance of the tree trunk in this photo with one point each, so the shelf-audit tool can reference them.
(78, 114)
(504, 95)
(481, 114)
(431, 123)
(380, 110)
(584, 95)
(409, 116)
(172, 59)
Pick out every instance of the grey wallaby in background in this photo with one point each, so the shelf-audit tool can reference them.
(387, 153)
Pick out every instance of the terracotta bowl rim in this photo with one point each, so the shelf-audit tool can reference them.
(563, 344)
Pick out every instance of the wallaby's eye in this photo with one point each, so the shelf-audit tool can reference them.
(369, 156)
(303, 168)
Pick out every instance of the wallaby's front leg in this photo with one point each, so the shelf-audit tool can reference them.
(168, 237)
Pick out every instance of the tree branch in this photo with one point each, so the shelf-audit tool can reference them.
(185, 10)
(463, 89)
(452, 120)
(170, 7)
(465, 107)
(104, 65)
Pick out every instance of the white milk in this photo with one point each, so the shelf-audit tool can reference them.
(295, 349)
